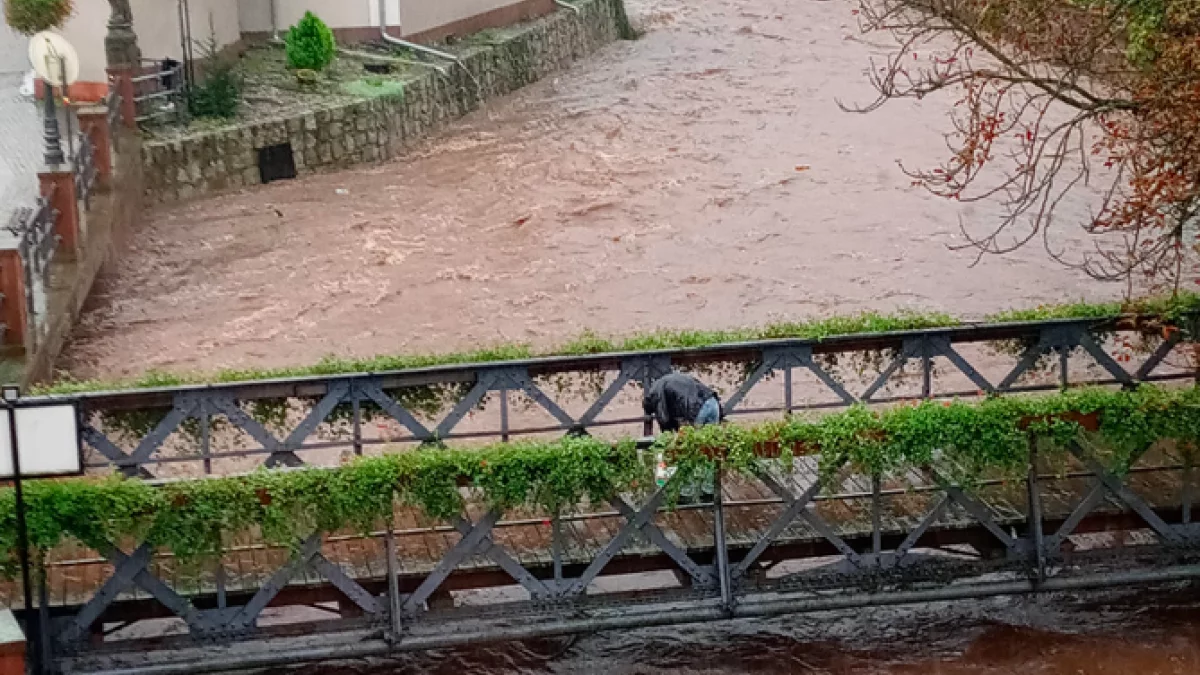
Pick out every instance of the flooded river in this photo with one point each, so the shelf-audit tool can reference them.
(1062, 635)
(701, 177)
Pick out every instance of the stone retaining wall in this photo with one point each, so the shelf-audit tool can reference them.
(381, 128)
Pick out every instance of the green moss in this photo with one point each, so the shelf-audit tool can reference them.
(376, 87)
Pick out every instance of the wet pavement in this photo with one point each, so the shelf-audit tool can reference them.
(20, 128)
(702, 177)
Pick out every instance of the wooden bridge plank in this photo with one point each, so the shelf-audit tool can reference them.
(585, 546)
(248, 578)
(376, 557)
(259, 565)
(694, 533)
(672, 526)
(411, 550)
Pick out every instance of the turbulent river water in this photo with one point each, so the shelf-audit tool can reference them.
(701, 177)
(1137, 634)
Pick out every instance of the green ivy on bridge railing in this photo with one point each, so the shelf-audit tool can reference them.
(194, 518)
(1167, 310)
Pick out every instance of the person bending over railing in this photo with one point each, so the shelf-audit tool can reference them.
(679, 400)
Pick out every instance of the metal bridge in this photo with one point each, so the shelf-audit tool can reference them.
(780, 542)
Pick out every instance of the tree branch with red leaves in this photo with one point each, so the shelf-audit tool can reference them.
(1055, 96)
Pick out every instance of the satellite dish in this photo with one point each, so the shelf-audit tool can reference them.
(53, 57)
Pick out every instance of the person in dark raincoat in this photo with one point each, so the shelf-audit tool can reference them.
(679, 400)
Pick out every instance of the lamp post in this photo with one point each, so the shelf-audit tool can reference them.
(53, 155)
(11, 394)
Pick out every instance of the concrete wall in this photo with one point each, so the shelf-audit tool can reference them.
(407, 17)
(157, 25)
(256, 14)
(85, 31)
(420, 16)
(157, 22)
(381, 128)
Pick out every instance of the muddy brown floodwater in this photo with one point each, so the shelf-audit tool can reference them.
(700, 177)
(1158, 634)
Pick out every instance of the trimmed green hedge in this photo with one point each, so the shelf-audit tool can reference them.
(192, 518)
(1165, 309)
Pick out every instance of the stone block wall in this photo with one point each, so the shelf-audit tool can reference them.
(381, 128)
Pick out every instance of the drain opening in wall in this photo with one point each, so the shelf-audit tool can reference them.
(276, 162)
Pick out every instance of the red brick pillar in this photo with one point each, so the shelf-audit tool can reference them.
(12, 645)
(58, 187)
(14, 311)
(93, 121)
(122, 79)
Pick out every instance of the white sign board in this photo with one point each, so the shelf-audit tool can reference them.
(53, 58)
(47, 441)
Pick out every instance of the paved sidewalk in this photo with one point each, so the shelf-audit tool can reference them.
(20, 127)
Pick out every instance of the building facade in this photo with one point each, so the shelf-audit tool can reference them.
(162, 26)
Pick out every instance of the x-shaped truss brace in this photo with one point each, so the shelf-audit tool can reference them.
(640, 521)
(1063, 339)
(952, 494)
(926, 348)
(801, 508)
(794, 508)
(130, 570)
(202, 406)
(245, 618)
(1108, 483)
(476, 540)
(133, 570)
(645, 370)
(501, 379)
(785, 358)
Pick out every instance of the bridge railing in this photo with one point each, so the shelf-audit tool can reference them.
(777, 539)
(235, 427)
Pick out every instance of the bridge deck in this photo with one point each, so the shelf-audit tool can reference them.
(75, 573)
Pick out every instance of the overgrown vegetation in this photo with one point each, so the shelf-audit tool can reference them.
(195, 518)
(219, 95)
(1162, 309)
(310, 44)
(34, 16)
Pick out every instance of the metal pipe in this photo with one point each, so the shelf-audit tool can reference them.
(727, 594)
(393, 583)
(275, 22)
(32, 624)
(566, 5)
(383, 33)
(704, 611)
(1035, 512)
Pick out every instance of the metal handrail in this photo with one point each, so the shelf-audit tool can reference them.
(37, 244)
(85, 169)
(166, 83)
(314, 399)
(113, 101)
(317, 385)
